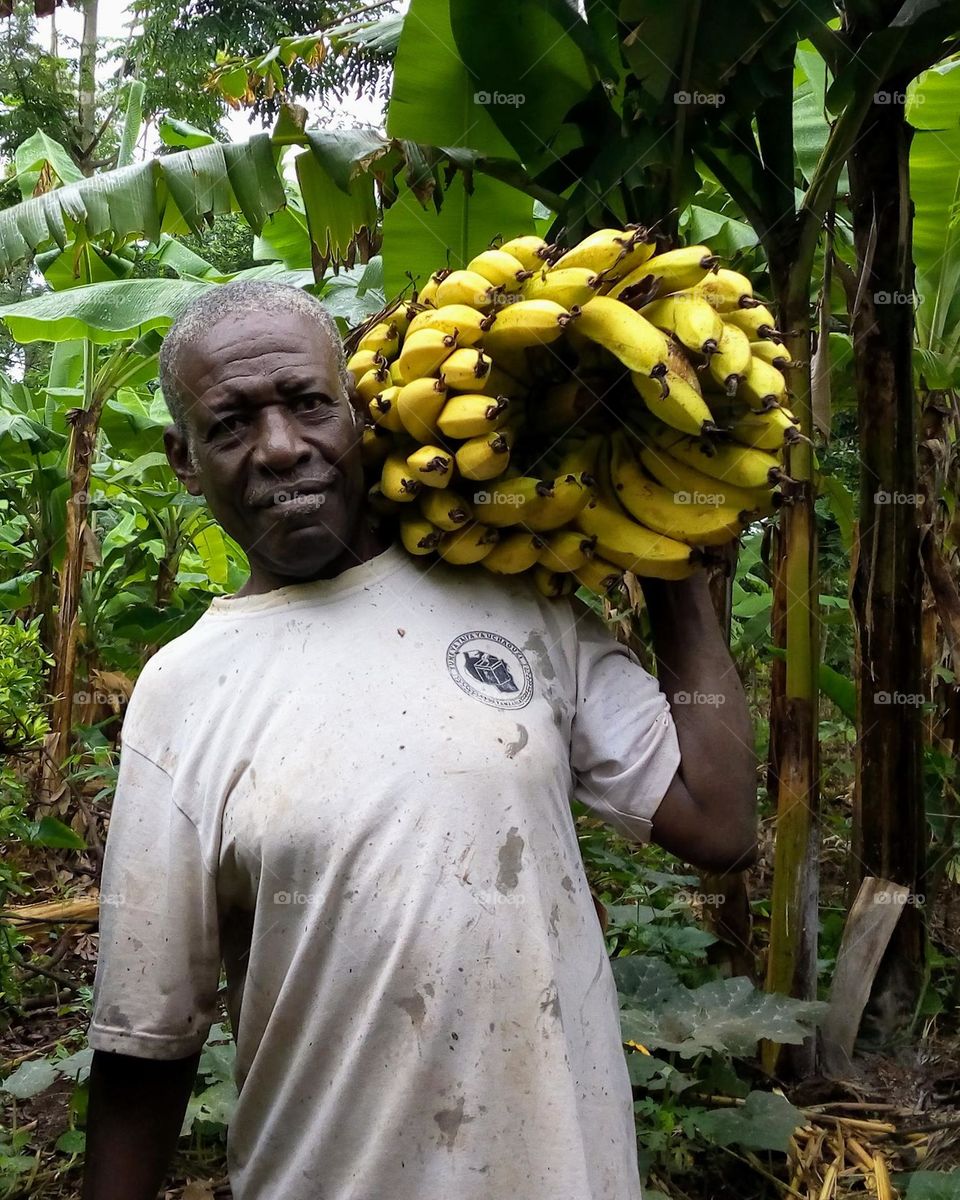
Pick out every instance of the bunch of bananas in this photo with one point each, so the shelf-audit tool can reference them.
(576, 414)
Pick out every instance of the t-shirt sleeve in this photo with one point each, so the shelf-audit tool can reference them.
(624, 751)
(155, 992)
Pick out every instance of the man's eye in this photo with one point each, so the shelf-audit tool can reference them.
(307, 403)
(231, 423)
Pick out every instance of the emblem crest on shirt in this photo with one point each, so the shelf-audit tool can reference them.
(490, 668)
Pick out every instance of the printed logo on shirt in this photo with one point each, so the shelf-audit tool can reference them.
(490, 668)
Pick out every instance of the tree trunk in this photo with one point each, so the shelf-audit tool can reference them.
(794, 768)
(87, 87)
(888, 819)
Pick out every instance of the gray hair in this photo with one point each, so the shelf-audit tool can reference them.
(230, 300)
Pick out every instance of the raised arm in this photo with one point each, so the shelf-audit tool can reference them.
(708, 815)
(133, 1122)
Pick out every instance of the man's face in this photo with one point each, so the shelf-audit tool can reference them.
(276, 445)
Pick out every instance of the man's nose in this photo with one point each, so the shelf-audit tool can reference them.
(279, 445)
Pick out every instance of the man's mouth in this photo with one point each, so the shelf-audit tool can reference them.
(306, 497)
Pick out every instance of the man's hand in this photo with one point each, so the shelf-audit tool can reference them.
(133, 1123)
(708, 815)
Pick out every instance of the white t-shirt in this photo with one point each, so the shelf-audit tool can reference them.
(356, 792)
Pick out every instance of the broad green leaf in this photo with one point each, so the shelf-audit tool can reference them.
(725, 235)
(29, 1079)
(530, 91)
(934, 111)
(334, 216)
(17, 593)
(343, 154)
(48, 831)
(74, 1141)
(182, 133)
(766, 1121)
(432, 99)
(76, 1066)
(210, 545)
(839, 689)
(842, 505)
(726, 1015)
(102, 312)
(418, 241)
(929, 1185)
(39, 154)
(285, 237)
(132, 120)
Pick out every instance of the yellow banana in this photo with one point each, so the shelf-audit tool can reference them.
(459, 321)
(757, 323)
(422, 353)
(525, 323)
(469, 414)
(372, 383)
(566, 550)
(402, 315)
(418, 535)
(666, 511)
(428, 293)
(598, 576)
(418, 406)
(690, 486)
(674, 401)
(691, 319)
(572, 491)
(680, 364)
(362, 361)
(484, 457)
(639, 345)
(499, 268)
(765, 430)
(608, 249)
(530, 250)
(673, 271)
(578, 456)
(621, 541)
(383, 410)
(374, 446)
(397, 480)
(726, 290)
(742, 466)
(379, 504)
(566, 286)
(763, 386)
(466, 546)
(383, 338)
(773, 352)
(395, 373)
(566, 405)
(466, 287)
(552, 584)
(732, 359)
(446, 509)
(431, 466)
(512, 501)
(466, 370)
(515, 552)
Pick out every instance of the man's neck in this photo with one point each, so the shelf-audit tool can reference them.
(366, 545)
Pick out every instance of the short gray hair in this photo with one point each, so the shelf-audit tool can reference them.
(229, 300)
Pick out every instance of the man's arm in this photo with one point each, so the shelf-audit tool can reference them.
(133, 1121)
(708, 815)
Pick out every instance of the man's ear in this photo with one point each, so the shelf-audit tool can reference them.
(178, 456)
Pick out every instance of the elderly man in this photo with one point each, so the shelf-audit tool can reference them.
(350, 784)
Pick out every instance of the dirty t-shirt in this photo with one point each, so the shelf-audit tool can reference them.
(356, 792)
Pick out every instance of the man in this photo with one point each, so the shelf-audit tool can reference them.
(350, 782)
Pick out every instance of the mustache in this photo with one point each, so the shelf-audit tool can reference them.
(281, 490)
